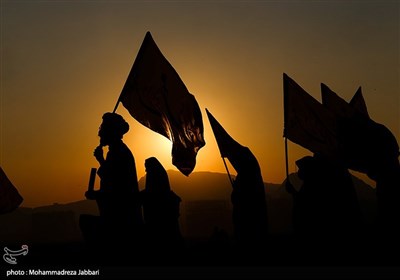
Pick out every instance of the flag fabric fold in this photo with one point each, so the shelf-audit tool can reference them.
(10, 198)
(307, 122)
(155, 96)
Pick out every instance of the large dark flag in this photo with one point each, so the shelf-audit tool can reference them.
(239, 156)
(226, 144)
(307, 122)
(10, 198)
(155, 96)
(364, 145)
(358, 103)
(356, 108)
(337, 105)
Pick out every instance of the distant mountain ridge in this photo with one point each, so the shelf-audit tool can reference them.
(205, 205)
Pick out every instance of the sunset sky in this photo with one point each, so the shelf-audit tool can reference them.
(64, 63)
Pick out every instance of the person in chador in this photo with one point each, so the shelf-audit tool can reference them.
(160, 209)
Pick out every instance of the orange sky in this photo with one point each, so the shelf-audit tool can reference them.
(63, 64)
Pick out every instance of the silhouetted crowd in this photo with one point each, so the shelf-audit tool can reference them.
(327, 220)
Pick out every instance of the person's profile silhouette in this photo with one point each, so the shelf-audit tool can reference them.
(117, 199)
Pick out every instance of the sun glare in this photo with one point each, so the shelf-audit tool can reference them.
(145, 143)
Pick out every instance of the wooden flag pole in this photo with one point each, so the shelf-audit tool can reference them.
(227, 170)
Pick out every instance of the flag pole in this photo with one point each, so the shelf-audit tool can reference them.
(286, 159)
(227, 170)
(285, 101)
(116, 105)
(119, 97)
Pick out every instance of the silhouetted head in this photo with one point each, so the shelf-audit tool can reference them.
(306, 167)
(383, 155)
(368, 147)
(156, 177)
(112, 128)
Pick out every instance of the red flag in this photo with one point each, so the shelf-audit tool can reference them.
(10, 198)
(155, 95)
(307, 122)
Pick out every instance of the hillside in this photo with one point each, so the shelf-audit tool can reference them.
(205, 205)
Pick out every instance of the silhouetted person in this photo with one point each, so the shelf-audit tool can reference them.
(118, 197)
(371, 148)
(160, 210)
(326, 212)
(385, 170)
(249, 206)
(249, 211)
